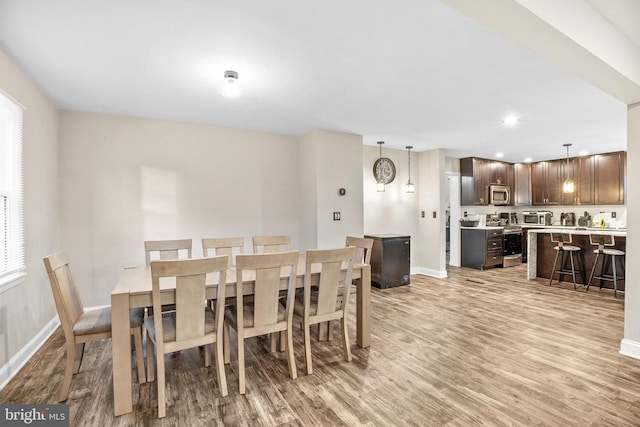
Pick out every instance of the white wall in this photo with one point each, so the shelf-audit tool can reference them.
(431, 256)
(330, 161)
(631, 343)
(126, 180)
(27, 309)
(392, 211)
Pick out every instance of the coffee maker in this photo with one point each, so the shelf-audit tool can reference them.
(568, 219)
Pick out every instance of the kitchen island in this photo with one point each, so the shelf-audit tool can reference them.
(540, 252)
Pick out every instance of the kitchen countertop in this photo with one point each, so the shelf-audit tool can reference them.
(532, 240)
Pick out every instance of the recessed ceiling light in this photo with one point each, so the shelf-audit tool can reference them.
(510, 120)
(583, 153)
(499, 155)
(528, 160)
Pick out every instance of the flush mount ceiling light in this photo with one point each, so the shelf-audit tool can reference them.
(409, 187)
(499, 155)
(229, 86)
(528, 160)
(567, 185)
(510, 120)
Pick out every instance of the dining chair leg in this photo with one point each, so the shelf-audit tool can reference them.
(207, 356)
(273, 342)
(227, 343)
(137, 340)
(283, 338)
(345, 340)
(222, 376)
(151, 363)
(68, 372)
(162, 399)
(307, 348)
(78, 357)
(291, 360)
(241, 377)
(329, 331)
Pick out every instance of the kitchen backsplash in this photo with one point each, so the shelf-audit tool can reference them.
(619, 221)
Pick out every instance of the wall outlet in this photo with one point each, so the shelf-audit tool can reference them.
(336, 216)
(434, 214)
(422, 214)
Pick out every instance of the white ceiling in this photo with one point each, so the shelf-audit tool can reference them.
(409, 72)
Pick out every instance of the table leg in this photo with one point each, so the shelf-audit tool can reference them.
(363, 308)
(121, 347)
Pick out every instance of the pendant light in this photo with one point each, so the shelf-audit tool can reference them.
(384, 171)
(409, 188)
(567, 185)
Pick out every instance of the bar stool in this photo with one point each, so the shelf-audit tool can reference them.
(604, 243)
(564, 247)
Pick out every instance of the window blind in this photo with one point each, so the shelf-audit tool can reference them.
(12, 259)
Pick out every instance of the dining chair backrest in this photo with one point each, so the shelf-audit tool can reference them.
(230, 246)
(190, 284)
(65, 292)
(335, 270)
(267, 269)
(363, 248)
(271, 244)
(166, 249)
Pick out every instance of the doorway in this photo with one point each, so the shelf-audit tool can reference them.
(452, 231)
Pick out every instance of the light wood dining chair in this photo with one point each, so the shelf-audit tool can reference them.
(363, 246)
(230, 246)
(265, 313)
(192, 324)
(271, 244)
(80, 326)
(167, 249)
(324, 304)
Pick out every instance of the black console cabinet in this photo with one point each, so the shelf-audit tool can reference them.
(390, 260)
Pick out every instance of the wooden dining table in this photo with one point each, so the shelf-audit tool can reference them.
(134, 290)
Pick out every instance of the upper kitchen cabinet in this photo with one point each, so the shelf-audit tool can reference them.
(584, 180)
(546, 182)
(609, 178)
(522, 184)
(474, 181)
(476, 175)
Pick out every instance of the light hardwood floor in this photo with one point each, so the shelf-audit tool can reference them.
(477, 348)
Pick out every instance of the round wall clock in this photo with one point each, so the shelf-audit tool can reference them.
(384, 170)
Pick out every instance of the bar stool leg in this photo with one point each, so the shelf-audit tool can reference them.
(615, 281)
(593, 270)
(553, 270)
(573, 270)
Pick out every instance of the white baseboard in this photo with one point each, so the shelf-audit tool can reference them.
(630, 348)
(439, 274)
(8, 371)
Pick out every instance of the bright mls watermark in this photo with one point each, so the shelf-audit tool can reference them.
(53, 415)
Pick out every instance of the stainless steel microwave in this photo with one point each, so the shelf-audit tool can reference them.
(539, 218)
(499, 195)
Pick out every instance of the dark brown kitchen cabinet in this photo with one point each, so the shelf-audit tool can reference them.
(474, 181)
(476, 175)
(609, 178)
(546, 182)
(584, 180)
(522, 184)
